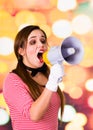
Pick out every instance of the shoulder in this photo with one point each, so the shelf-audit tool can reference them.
(12, 78)
(14, 84)
(12, 81)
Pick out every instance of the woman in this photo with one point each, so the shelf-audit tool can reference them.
(31, 89)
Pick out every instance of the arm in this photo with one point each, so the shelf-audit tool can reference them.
(40, 106)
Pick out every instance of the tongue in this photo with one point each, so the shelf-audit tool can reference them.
(41, 59)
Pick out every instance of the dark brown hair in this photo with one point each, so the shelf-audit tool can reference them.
(34, 87)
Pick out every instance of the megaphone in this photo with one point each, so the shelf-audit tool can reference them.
(71, 50)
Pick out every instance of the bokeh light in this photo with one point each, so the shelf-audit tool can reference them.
(51, 17)
(80, 118)
(75, 76)
(63, 6)
(62, 28)
(3, 103)
(3, 67)
(72, 126)
(8, 26)
(69, 113)
(81, 24)
(88, 55)
(47, 29)
(89, 85)
(90, 120)
(62, 86)
(6, 46)
(4, 117)
(90, 101)
(24, 17)
(75, 92)
(40, 18)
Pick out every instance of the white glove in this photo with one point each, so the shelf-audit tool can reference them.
(56, 74)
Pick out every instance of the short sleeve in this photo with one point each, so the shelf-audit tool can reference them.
(16, 94)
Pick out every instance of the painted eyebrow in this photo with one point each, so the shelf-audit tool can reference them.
(36, 36)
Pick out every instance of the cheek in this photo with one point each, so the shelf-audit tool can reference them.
(30, 50)
(30, 53)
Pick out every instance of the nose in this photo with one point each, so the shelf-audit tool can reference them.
(40, 44)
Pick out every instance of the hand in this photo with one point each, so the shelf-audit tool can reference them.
(56, 74)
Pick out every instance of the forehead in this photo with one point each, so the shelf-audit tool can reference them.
(36, 33)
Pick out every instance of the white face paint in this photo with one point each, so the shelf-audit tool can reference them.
(36, 46)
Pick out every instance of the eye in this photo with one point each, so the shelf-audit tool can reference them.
(32, 42)
(43, 41)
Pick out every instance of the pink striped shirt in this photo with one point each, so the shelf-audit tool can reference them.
(19, 103)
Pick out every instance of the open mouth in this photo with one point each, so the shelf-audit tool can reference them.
(40, 56)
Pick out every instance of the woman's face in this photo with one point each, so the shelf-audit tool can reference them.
(34, 49)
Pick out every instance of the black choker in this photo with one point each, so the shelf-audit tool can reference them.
(35, 71)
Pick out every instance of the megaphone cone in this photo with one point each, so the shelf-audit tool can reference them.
(71, 51)
(76, 45)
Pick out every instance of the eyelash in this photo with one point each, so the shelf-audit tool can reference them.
(43, 41)
(34, 42)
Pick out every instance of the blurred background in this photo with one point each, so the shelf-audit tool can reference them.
(60, 19)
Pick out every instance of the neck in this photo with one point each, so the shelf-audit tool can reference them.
(35, 71)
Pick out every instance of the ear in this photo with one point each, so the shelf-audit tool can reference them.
(21, 51)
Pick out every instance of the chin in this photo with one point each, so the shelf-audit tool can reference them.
(40, 64)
